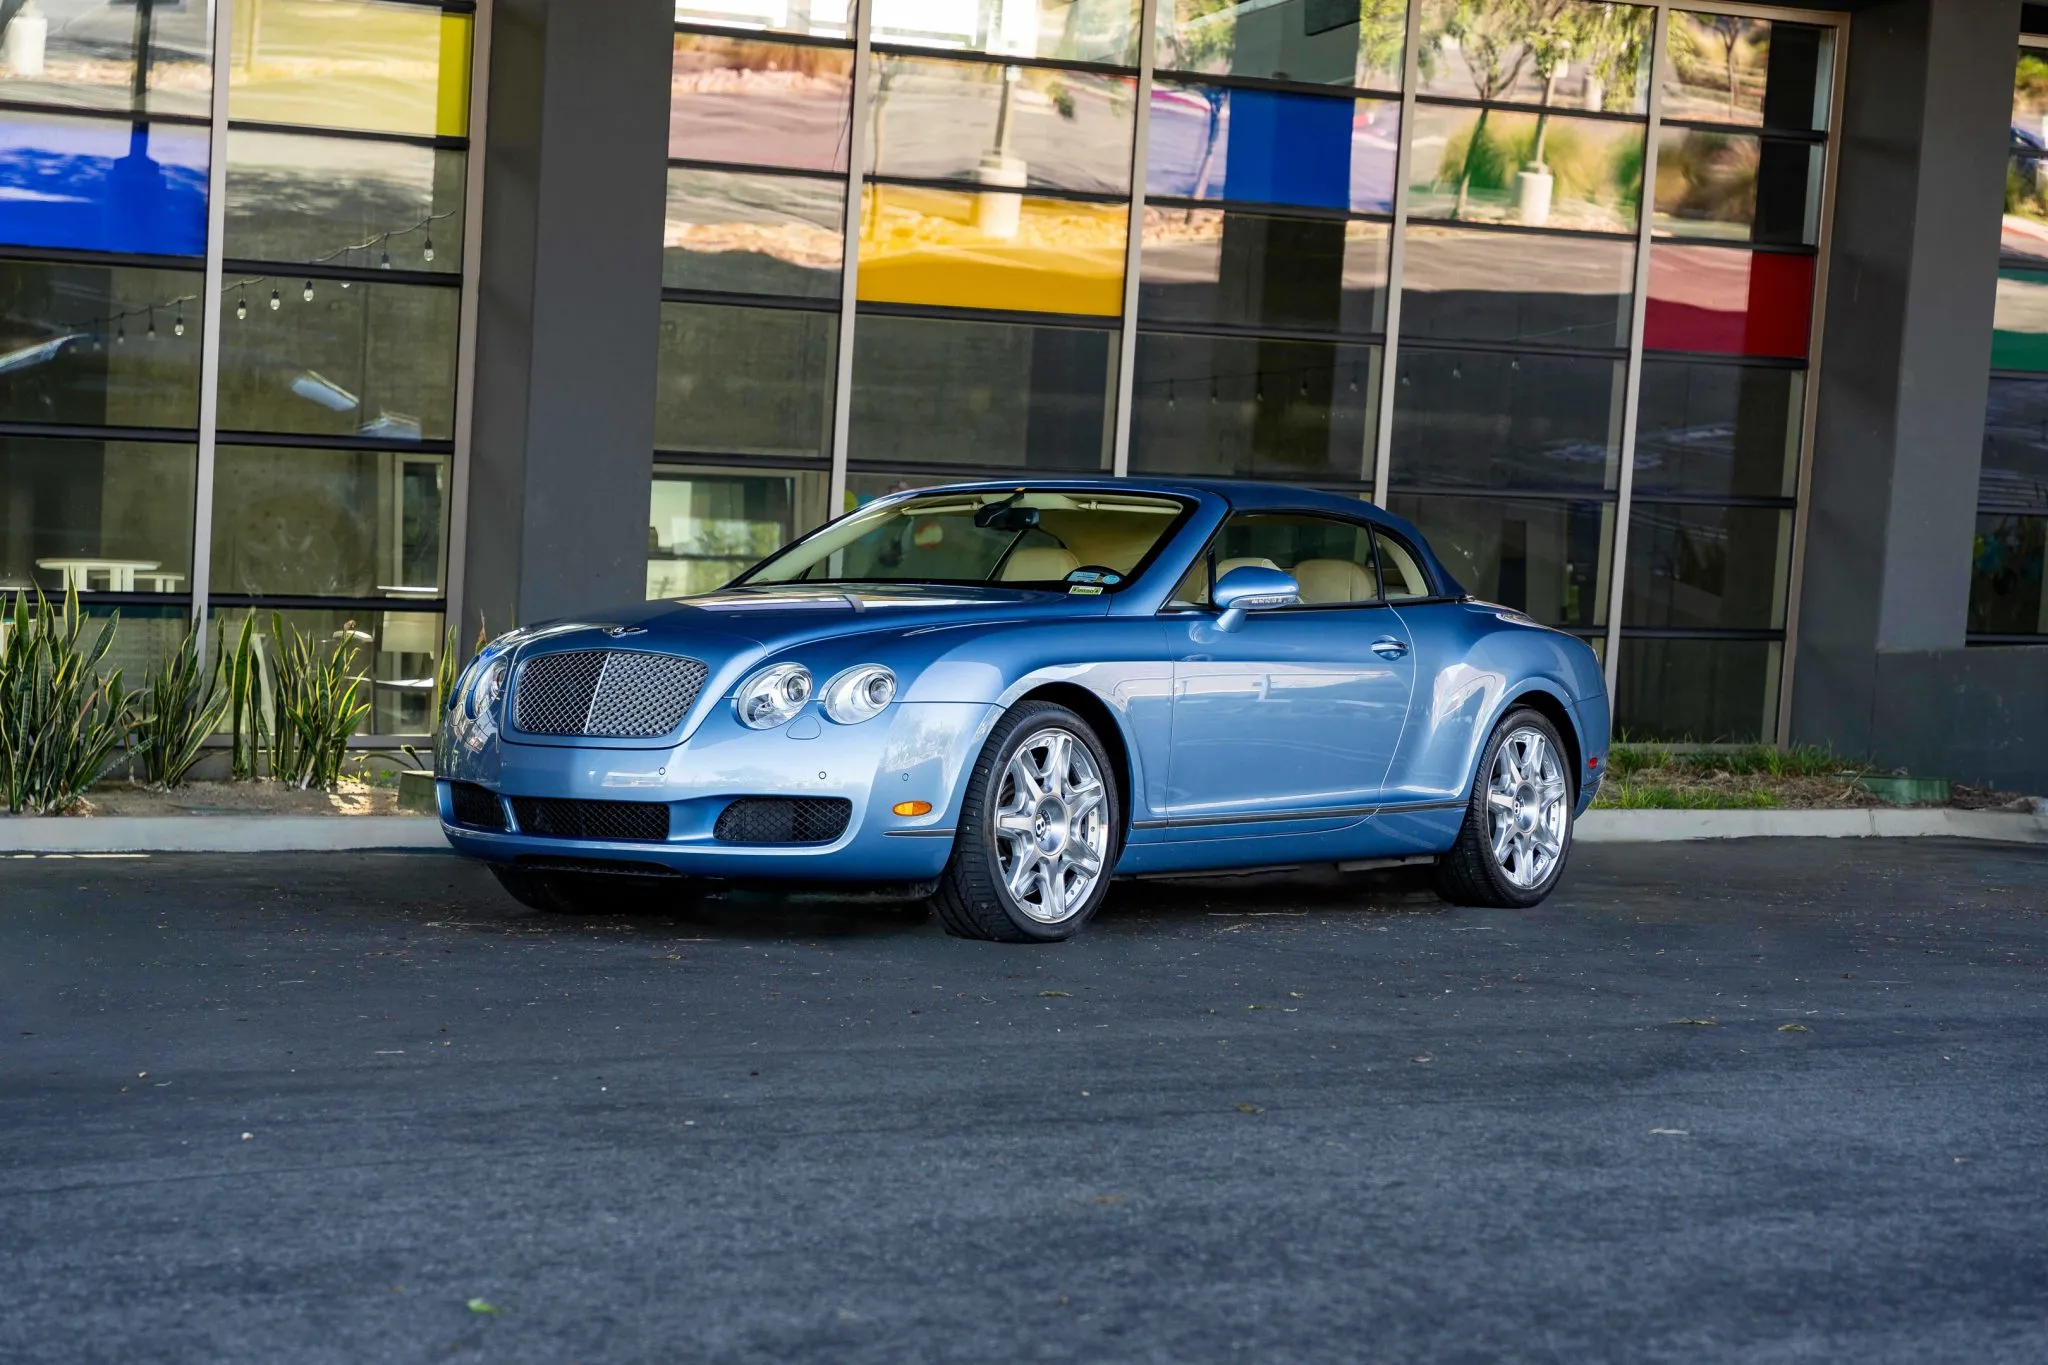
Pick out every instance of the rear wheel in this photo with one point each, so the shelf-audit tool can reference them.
(591, 893)
(1038, 832)
(1518, 824)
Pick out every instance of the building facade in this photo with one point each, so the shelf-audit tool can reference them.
(1688, 328)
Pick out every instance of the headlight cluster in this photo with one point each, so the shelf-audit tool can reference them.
(482, 697)
(859, 694)
(774, 695)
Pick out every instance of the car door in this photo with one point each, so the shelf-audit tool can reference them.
(1295, 715)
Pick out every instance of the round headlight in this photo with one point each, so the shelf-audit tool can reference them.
(483, 696)
(773, 695)
(859, 694)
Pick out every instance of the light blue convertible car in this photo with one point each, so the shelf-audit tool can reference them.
(1000, 695)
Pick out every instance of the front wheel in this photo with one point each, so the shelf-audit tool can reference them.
(1518, 824)
(1038, 832)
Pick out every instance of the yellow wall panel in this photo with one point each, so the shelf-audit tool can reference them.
(984, 249)
(355, 64)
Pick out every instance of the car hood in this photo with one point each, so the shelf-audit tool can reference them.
(782, 614)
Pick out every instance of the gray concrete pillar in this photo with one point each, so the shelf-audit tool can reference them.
(569, 310)
(1902, 385)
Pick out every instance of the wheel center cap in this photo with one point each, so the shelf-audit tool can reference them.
(1049, 825)
(1526, 808)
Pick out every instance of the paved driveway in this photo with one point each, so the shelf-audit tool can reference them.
(305, 1109)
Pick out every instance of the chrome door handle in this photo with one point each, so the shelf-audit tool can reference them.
(1387, 647)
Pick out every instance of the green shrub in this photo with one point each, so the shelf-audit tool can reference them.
(182, 706)
(60, 721)
(1632, 795)
(316, 704)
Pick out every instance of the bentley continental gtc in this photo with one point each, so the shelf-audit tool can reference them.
(1001, 695)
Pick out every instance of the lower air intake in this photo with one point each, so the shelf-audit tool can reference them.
(555, 818)
(476, 807)
(783, 820)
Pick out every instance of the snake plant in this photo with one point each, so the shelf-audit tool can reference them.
(316, 703)
(182, 707)
(61, 722)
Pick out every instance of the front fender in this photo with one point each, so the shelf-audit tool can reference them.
(1123, 663)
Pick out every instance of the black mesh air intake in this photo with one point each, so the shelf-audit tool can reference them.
(784, 820)
(553, 818)
(476, 807)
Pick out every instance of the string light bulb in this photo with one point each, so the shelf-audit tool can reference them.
(427, 248)
(307, 293)
(275, 302)
(151, 334)
(384, 260)
(178, 324)
(241, 308)
(120, 334)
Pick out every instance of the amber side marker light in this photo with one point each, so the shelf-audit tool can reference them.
(911, 808)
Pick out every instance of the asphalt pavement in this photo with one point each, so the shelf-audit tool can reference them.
(1755, 1101)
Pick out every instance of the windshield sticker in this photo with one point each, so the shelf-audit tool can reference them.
(1084, 589)
(1103, 576)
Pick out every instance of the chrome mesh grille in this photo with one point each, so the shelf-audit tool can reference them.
(605, 693)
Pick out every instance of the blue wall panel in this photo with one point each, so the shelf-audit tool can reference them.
(102, 185)
(1272, 147)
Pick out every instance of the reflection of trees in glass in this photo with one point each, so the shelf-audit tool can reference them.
(1497, 42)
(1708, 177)
(1715, 51)
(1201, 35)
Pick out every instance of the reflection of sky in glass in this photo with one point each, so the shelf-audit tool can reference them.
(1309, 150)
(102, 185)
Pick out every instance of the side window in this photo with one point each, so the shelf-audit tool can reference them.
(1193, 588)
(1401, 570)
(1331, 559)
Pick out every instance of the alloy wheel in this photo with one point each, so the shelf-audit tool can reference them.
(1527, 808)
(1051, 825)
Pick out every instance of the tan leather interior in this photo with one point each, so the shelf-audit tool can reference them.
(1333, 581)
(1039, 564)
(1224, 566)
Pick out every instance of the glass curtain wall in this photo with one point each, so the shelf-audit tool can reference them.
(1404, 249)
(2007, 604)
(103, 197)
(333, 431)
(347, 149)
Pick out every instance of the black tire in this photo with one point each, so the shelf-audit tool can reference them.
(592, 893)
(1470, 874)
(972, 900)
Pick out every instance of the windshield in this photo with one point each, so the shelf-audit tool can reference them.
(1064, 540)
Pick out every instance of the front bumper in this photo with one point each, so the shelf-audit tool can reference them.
(913, 751)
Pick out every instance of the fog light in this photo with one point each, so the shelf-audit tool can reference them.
(911, 808)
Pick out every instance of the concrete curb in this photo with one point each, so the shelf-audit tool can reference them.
(363, 833)
(1670, 826)
(219, 833)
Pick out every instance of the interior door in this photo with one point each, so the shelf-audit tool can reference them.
(1294, 716)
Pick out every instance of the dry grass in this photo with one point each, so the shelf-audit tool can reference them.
(352, 797)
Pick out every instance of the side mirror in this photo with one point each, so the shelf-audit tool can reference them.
(1249, 587)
